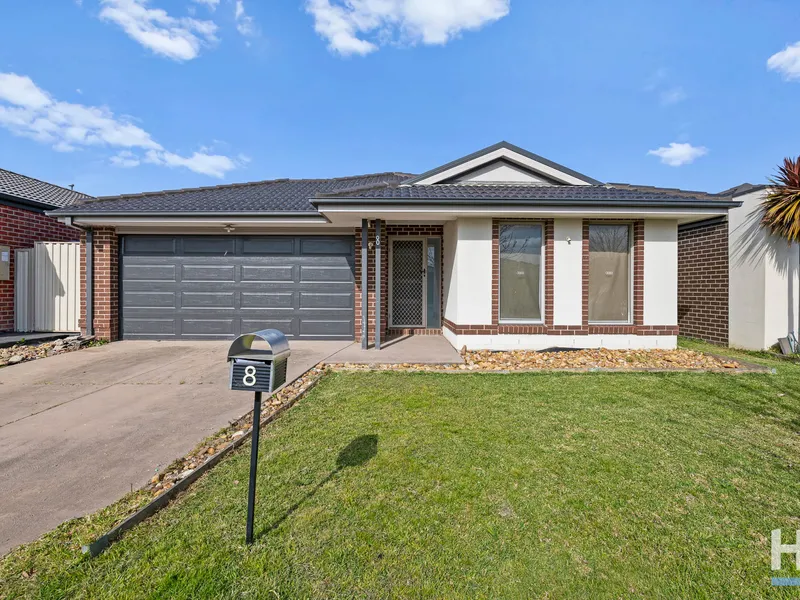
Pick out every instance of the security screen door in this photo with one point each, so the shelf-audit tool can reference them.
(408, 282)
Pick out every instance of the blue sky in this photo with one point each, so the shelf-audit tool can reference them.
(122, 96)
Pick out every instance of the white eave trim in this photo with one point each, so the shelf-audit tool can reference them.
(188, 221)
(509, 155)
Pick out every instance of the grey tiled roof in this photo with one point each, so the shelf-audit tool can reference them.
(279, 195)
(476, 192)
(27, 189)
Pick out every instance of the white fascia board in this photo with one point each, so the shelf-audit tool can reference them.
(510, 155)
(189, 222)
(684, 215)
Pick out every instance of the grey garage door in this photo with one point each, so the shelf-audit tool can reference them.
(217, 287)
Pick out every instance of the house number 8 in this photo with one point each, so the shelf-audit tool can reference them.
(249, 378)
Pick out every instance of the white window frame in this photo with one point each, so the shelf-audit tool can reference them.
(542, 282)
(629, 320)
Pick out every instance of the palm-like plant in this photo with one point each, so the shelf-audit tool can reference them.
(781, 207)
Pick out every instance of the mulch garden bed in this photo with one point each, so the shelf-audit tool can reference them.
(572, 360)
(25, 352)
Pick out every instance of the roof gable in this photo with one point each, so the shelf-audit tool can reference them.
(515, 163)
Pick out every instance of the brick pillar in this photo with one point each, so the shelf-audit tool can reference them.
(371, 283)
(106, 284)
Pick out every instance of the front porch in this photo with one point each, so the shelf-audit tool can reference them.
(404, 296)
(406, 349)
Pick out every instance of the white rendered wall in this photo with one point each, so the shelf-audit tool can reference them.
(473, 272)
(763, 293)
(660, 272)
(567, 272)
(450, 275)
(542, 342)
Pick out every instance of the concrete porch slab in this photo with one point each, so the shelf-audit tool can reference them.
(420, 349)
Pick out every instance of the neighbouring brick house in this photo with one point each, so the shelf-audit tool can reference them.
(23, 202)
(737, 285)
(500, 249)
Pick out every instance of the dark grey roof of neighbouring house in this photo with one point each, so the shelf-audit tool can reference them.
(273, 196)
(744, 188)
(22, 188)
(471, 193)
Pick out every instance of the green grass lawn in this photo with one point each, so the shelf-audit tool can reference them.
(470, 485)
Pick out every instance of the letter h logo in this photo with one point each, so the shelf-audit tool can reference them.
(778, 549)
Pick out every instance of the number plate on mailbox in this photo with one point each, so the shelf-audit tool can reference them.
(250, 376)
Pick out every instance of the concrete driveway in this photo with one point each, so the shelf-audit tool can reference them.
(78, 430)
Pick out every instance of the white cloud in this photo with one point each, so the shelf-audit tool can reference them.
(676, 155)
(21, 91)
(786, 62)
(125, 159)
(673, 96)
(28, 111)
(176, 38)
(244, 22)
(346, 24)
(214, 165)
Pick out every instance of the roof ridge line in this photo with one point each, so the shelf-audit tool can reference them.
(243, 184)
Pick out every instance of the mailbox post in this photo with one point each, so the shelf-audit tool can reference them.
(257, 370)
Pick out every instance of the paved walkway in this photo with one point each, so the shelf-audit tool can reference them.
(424, 349)
(79, 430)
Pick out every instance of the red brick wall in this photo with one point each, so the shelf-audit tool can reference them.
(106, 284)
(20, 228)
(703, 272)
(388, 231)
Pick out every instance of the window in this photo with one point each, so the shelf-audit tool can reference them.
(609, 273)
(521, 272)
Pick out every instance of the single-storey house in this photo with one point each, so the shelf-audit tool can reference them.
(23, 222)
(500, 249)
(737, 284)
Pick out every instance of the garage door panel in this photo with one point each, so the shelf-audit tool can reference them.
(258, 300)
(148, 326)
(149, 272)
(207, 327)
(148, 299)
(326, 300)
(208, 273)
(326, 247)
(320, 328)
(324, 273)
(208, 246)
(218, 287)
(268, 274)
(207, 300)
(145, 245)
(268, 246)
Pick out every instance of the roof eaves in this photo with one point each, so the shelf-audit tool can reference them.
(495, 202)
(501, 145)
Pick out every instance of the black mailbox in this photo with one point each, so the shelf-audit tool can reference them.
(259, 369)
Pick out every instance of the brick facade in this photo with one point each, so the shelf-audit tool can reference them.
(387, 232)
(547, 327)
(106, 284)
(20, 228)
(703, 279)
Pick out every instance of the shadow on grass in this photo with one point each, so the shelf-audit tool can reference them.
(355, 454)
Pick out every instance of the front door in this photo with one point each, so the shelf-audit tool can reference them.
(414, 282)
